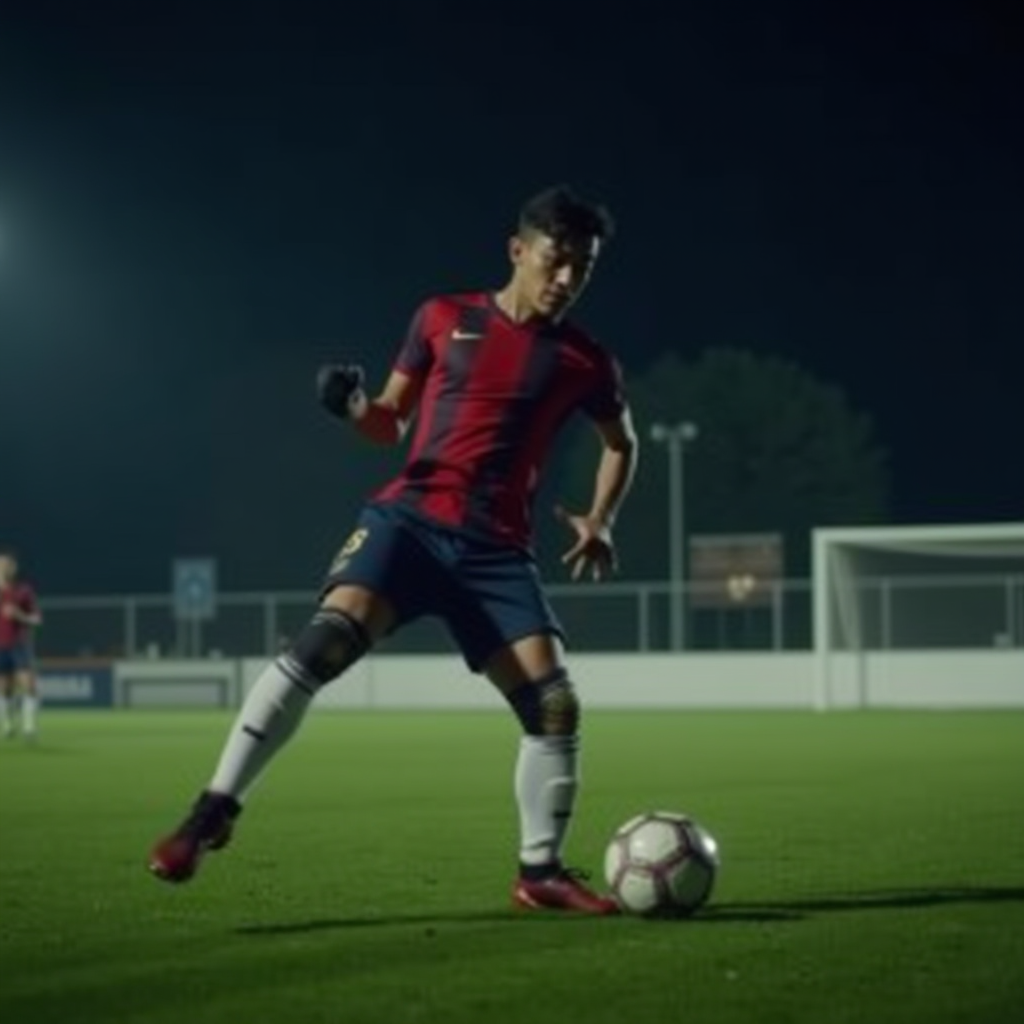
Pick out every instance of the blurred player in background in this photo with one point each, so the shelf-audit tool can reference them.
(19, 613)
(492, 377)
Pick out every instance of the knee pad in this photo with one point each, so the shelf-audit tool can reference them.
(331, 643)
(547, 707)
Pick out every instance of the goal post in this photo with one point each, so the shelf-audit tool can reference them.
(885, 588)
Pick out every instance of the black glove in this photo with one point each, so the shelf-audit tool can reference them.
(337, 386)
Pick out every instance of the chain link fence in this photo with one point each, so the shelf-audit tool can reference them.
(617, 616)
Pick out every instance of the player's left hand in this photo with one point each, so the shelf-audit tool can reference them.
(593, 549)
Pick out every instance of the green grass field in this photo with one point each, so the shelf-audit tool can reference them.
(873, 870)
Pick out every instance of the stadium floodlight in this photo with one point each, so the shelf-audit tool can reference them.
(882, 588)
(676, 437)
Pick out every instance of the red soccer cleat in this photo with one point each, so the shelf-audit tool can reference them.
(208, 826)
(562, 891)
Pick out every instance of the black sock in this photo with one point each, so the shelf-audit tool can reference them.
(538, 872)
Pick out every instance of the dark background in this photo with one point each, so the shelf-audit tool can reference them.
(200, 203)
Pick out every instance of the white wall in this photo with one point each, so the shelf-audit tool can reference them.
(912, 679)
(603, 680)
(953, 679)
(177, 682)
(726, 680)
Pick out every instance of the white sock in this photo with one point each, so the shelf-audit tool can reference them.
(270, 715)
(546, 782)
(6, 722)
(29, 705)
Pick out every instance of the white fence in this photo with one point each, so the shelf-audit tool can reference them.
(939, 612)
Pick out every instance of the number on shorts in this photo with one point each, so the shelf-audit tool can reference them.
(355, 541)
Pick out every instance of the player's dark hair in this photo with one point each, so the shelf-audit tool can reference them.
(561, 213)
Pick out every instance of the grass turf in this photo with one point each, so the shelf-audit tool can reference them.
(872, 871)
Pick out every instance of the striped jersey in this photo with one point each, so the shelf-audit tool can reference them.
(494, 395)
(13, 632)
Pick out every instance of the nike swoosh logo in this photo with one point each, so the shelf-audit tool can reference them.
(458, 335)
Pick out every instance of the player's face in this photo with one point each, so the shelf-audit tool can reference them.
(550, 274)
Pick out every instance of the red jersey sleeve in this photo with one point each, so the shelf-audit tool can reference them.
(606, 400)
(416, 355)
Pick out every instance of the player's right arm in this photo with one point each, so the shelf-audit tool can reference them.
(386, 418)
(24, 609)
(28, 614)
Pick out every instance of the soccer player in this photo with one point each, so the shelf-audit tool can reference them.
(19, 612)
(492, 376)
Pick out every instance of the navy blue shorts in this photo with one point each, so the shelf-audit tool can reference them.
(14, 659)
(488, 594)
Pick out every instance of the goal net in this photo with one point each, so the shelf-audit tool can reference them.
(925, 589)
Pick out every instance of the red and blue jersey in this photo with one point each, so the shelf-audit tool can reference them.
(14, 633)
(494, 395)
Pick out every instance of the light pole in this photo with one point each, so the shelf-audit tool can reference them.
(676, 436)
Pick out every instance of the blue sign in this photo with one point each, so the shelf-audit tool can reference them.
(195, 588)
(76, 686)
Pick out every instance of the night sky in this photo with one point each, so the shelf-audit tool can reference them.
(199, 203)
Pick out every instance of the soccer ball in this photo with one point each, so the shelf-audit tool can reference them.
(661, 864)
